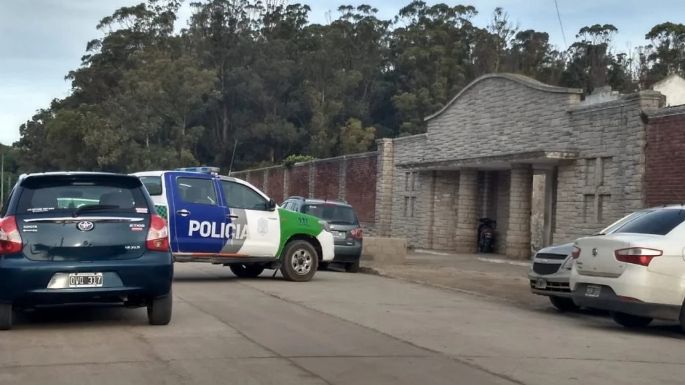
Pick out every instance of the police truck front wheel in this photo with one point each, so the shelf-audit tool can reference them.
(300, 261)
(246, 271)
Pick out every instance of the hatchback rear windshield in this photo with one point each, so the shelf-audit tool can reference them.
(659, 222)
(67, 193)
(333, 214)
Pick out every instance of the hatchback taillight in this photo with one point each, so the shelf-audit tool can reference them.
(158, 235)
(357, 233)
(10, 239)
(637, 255)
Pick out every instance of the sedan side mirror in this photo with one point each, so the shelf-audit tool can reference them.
(271, 206)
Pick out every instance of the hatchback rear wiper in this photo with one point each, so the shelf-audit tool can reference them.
(93, 208)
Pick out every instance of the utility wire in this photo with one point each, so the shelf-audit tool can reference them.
(563, 34)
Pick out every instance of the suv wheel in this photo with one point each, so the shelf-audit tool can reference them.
(631, 321)
(159, 310)
(246, 271)
(300, 261)
(5, 316)
(352, 267)
(563, 304)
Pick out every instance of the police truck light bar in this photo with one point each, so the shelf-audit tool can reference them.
(203, 169)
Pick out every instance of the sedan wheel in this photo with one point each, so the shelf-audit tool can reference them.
(631, 321)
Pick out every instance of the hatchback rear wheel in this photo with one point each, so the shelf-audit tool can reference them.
(159, 310)
(5, 316)
(631, 321)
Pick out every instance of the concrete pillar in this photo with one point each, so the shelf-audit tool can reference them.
(467, 212)
(342, 178)
(518, 229)
(385, 178)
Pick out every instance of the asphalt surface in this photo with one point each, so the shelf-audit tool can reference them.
(338, 329)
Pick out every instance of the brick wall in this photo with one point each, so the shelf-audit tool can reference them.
(274, 184)
(665, 157)
(360, 186)
(298, 181)
(327, 179)
(256, 179)
(351, 178)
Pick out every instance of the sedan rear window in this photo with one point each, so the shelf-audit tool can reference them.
(68, 193)
(333, 214)
(659, 222)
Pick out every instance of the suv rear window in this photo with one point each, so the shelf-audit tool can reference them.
(333, 214)
(65, 193)
(659, 222)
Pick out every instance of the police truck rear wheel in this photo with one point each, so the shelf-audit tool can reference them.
(300, 261)
(247, 271)
(5, 316)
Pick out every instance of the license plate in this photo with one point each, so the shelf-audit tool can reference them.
(592, 291)
(541, 284)
(85, 280)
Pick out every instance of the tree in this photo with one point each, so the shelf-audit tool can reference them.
(666, 54)
(590, 58)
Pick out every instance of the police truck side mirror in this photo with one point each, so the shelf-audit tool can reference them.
(271, 206)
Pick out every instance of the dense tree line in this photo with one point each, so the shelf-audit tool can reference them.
(260, 78)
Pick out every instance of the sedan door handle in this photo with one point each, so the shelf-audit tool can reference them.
(183, 213)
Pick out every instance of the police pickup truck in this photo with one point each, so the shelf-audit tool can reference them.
(224, 220)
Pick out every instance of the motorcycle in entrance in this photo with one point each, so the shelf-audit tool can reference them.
(486, 235)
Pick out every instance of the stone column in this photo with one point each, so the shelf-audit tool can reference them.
(518, 229)
(385, 177)
(467, 212)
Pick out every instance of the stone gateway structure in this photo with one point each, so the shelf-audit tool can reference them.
(547, 163)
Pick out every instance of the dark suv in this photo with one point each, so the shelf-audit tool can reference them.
(343, 223)
(71, 238)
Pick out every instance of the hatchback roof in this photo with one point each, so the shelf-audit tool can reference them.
(320, 201)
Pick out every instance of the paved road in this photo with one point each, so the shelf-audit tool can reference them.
(338, 329)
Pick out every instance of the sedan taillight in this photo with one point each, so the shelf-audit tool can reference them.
(575, 253)
(637, 255)
(158, 235)
(10, 239)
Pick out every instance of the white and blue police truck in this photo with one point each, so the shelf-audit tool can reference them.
(224, 220)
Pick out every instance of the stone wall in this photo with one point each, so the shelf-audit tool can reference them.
(499, 115)
(606, 181)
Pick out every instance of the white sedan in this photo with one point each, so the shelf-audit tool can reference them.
(637, 272)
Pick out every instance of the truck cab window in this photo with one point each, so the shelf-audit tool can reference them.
(239, 196)
(195, 190)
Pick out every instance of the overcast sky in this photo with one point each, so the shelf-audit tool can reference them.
(42, 40)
